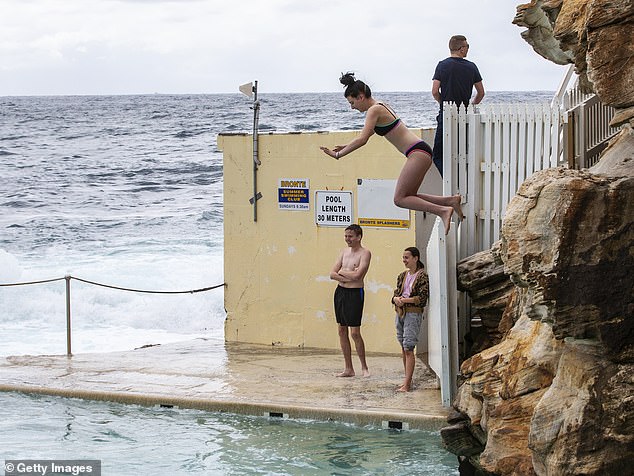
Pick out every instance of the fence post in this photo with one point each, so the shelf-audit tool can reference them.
(68, 332)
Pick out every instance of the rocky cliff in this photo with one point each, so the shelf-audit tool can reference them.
(555, 394)
(492, 293)
(595, 35)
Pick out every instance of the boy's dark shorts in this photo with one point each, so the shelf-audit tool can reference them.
(349, 306)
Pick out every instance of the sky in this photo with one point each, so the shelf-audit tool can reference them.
(62, 47)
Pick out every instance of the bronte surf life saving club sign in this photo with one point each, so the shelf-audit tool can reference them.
(293, 194)
(333, 208)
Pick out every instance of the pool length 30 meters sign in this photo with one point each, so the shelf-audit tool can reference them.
(333, 208)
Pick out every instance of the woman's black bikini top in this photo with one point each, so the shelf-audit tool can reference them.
(382, 130)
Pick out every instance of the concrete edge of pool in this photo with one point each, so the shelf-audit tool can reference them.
(208, 375)
(357, 417)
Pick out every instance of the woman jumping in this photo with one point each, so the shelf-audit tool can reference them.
(381, 119)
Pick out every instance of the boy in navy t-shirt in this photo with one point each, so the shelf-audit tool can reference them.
(453, 81)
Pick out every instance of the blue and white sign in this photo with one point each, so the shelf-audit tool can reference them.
(293, 194)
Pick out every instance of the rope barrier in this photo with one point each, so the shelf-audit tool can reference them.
(120, 288)
(146, 291)
(192, 291)
(32, 282)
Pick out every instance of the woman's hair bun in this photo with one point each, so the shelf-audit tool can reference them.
(353, 86)
(347, 79)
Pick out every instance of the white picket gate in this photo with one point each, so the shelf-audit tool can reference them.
(442, 323)
(588, 121)
(488, 152)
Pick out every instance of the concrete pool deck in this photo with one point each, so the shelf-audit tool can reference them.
(212, 375)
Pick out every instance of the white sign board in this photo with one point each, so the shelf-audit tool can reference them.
(375, 199)
(333, 208)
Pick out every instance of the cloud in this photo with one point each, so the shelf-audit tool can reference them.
(189, 46)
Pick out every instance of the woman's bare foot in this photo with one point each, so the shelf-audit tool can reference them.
(455, 203)
(445, 216)
(346, 373)
(366, 372)
(403, 389)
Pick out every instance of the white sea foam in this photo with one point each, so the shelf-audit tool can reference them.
(104, 319)
(9, 268)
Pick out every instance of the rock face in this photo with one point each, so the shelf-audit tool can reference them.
(595, 35)
(569, 241)
(490, 290)
(504, 384)
(556, 395)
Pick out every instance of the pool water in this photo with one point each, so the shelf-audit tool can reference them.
(135, 440)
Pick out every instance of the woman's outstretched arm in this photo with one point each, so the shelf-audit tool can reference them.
(358, 142)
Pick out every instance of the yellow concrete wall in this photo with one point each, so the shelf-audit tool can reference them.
(277, 268)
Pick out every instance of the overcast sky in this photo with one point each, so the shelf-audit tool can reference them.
(52, 47)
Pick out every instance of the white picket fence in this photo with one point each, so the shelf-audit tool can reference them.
(488, 152)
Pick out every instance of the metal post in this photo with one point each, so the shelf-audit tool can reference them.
(68, 333)
(256, 160)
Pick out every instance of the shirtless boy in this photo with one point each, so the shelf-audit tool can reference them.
(349, 270)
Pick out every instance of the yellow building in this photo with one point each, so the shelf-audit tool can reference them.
(278, 254)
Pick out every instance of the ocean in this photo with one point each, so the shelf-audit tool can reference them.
(127, 191)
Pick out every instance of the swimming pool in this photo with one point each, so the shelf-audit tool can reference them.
(134, 440)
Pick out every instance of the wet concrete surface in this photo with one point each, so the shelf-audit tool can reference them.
(213, 375)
